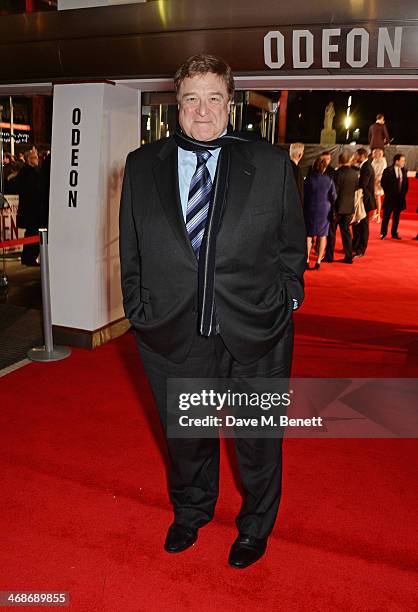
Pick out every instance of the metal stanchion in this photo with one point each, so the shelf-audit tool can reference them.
(48, 352)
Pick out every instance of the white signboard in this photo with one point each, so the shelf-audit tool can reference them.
(8, 223)
(333, 48)
(95, 126)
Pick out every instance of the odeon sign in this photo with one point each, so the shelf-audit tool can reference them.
(334, 48)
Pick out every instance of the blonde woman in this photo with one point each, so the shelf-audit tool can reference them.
(379, 164)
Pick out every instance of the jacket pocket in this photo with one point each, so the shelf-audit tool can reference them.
(265, 207)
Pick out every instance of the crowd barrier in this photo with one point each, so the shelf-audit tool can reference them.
(47, 352)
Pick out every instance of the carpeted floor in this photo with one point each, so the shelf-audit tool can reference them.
(84, 501)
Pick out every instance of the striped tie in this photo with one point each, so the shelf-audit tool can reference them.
(198, 202)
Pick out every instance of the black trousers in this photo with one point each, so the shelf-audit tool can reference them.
(30, 252)
(387, 212)
(343, 222)
(361, 235)
(194, 463)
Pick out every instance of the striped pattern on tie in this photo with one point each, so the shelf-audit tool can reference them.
(198, 202)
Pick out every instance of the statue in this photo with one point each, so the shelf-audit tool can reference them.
(328, 134)
(329, 116)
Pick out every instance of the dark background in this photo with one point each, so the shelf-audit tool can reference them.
(305, 114)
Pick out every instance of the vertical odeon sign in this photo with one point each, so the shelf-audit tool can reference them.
(75, 142)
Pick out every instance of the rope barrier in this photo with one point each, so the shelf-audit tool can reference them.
(10, 243)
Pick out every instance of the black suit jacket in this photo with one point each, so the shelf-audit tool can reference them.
(297, 173)
(367, 183)
(260, 257)
(394, 199)
(346, 182)
(28, 187)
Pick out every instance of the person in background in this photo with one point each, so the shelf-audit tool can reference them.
(8, 162)
(329, 171)
(28, 187)
(395, 186)
(296, 153)
(367, 184)
(378, 134)
(319, 196)
(45, 178)
(379, 163)
(346, 184)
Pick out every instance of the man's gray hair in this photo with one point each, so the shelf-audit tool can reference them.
(296, 148)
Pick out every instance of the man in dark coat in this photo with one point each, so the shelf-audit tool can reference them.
(346, 184)
(378, 134)
(395, 185)
(213, 251)
(367, 184)
(296, 153)
(28, 187)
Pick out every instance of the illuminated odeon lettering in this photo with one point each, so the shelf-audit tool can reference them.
(326, 49)
(75, 141)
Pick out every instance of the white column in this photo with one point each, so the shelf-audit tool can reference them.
(94, 128)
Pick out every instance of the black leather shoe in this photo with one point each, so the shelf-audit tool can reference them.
(246, 550)
(346, 260)
(179, 538)
(382, 236)
(396, 237)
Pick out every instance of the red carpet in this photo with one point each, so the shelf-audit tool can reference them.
(411, 199)
(84, 503)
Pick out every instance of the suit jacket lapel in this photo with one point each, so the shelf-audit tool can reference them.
(241, 177)
(166, 179)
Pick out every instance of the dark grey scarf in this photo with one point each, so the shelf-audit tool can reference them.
(207, 323)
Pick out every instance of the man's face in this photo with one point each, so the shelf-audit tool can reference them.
(327, 159)
(203, 106)
(33, 159)
(400, 162)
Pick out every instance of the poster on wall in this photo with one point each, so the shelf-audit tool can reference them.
(8, 223)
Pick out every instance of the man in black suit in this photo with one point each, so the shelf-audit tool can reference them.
(213, 250)
(395, 185)
(296, 153)
(367, 184)
(346, 183)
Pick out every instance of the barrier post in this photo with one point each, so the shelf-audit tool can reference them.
(48, 352)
